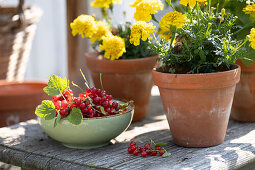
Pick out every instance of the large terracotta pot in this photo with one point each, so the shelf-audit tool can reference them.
(18, 101)
(129, 79)
(197, 106)
(244, 100)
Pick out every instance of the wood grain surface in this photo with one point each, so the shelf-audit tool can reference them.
(26, 145)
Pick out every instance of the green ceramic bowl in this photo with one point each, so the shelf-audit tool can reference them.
(91, 133)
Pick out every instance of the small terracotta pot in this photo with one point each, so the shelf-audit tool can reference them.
(18, 101)
(244, 100)
(129, 79)
(197, 106)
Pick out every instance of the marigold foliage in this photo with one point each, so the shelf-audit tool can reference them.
(84, 25)
(252, 38)
(104, 3)
(140, 30)
(114, 47)
(191, 3)
(174, 18)
(145, 8)
(102, 30)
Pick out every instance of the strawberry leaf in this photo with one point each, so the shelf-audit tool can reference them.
(75, 116)
(160, 144)
(166, 154)
(56, 85)
(57, 120)
(46, 109)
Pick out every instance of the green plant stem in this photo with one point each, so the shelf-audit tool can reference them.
(153, 18)
(104, 13)
(101, 82)
(86, 82)
(172, 6)
(155, 38)
(77, 86)
(198, 16)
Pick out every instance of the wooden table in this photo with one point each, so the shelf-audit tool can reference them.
(27, 146)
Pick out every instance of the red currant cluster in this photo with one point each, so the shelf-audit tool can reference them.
(146, 150)
(92, 103)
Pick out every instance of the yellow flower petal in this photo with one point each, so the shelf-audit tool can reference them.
(140, 30)
(114, 47)
(145, 8)
(102, 30)
(174, 18)
(252, 38)
(85, 25)
(104, 3)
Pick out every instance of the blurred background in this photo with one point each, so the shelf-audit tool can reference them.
(49, 49)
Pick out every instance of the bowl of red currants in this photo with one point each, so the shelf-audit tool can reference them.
(89, 120)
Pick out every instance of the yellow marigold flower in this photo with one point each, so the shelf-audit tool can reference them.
(83, 25)
(114, 47)
(140, 30)
(191, 3)
(145, 8)
(165, 34)
(250, 9)
(104, 3)
(174, 18)
(252, 38)
(102, 30)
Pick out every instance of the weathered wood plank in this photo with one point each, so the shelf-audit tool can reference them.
(27, 145)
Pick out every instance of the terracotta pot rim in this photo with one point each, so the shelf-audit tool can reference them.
(96, 64)
(246, 69)
(29, 83)
(197, 81)
(117, 61)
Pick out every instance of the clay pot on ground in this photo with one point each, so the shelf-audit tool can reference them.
(125, 79)
(244, 101)
(18, 101)
(197, 106)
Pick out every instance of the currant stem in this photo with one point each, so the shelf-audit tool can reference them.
(86, 82)
(101, 82)
(77, 86)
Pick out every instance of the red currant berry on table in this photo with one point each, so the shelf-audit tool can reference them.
(161, 153)
(144, 154)
(158, 148)
(149, 151)
(130, 150)
(139, 149)
(154, 153)
(132, 143)
(147, 146)
(133, 148)
(136, 152)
